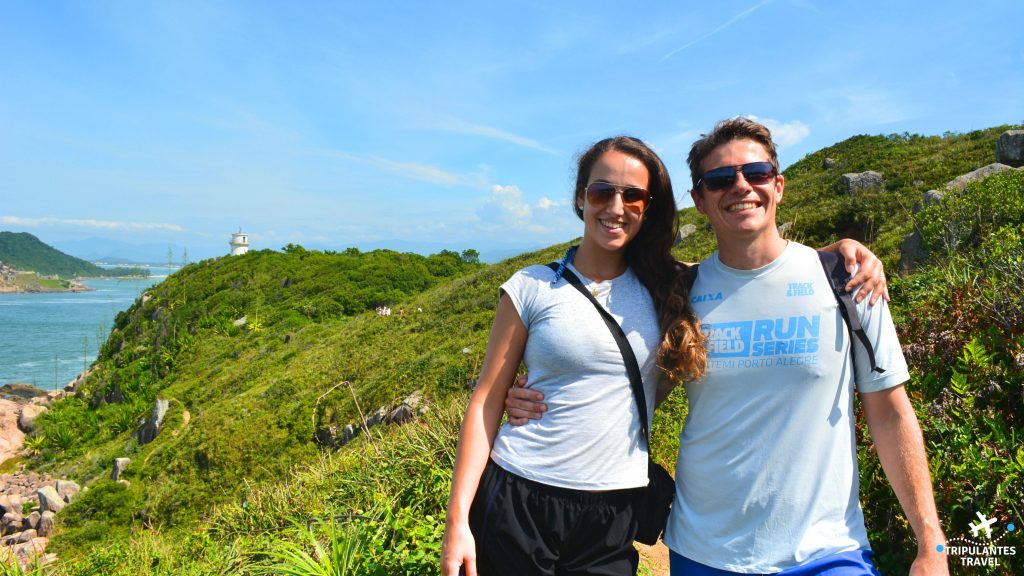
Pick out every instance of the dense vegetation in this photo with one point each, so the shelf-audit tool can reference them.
(23, 251)
(237, 485)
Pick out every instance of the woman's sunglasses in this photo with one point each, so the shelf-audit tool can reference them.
(755, 173)
(633, 198)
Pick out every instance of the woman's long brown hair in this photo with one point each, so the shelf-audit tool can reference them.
(682, 355)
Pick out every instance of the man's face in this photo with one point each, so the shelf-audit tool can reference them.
(741, 211)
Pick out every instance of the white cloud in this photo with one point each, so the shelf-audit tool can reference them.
(462, 127)
(89, 223)
(784, 134)
(546, 203)
(506, 214)
(505, 207)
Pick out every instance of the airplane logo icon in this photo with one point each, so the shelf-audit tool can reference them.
(982, 524)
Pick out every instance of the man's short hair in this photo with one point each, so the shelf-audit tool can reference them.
(724, 132)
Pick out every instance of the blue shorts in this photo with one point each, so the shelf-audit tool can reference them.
(855, 563)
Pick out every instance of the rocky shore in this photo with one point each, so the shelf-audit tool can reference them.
(28, 501)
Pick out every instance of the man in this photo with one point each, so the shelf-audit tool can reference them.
(767, 468)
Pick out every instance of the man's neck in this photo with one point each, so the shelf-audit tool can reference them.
(750, 254)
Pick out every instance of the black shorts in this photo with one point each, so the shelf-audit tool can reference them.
(524, 528)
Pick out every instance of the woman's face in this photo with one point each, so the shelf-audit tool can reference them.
(609, 223)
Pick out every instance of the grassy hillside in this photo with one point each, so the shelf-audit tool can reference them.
(23, 251)
(236, 481)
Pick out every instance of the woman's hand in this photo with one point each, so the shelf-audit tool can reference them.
(458, 549)
(870, 272)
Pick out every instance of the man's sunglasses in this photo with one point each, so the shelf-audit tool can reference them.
(633, 198)
(755, 173)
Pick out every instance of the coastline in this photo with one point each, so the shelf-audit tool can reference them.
(74, 286)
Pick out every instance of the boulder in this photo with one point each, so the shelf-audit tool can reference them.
(67, 489)
(932, 197)
(46, 520)
(27, 415)
(961, 182)
(326, 435)
(857, 182)
(407, 410)
(11, 436)
(151, 427)
(10, 523)
(6, 505)
(377, 417)
(684, 231)
(120, 464)
(241, 321)
(348, 433)
(49, 499)
(1010, 148)
(785, 228)
(828, 163)
(32, 520)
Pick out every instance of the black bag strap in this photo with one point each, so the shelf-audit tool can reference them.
(628, 357)
(835, 269)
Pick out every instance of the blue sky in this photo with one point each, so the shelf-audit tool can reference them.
(422, 125)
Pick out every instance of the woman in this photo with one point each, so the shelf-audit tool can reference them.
(555, 496)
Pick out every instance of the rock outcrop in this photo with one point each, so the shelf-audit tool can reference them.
(11, 436)
(857, 182)
(151, 428)
(961, 182)
(1010, 148)
(407, 410)
(27, 415)
(684, 231)
(120, 464)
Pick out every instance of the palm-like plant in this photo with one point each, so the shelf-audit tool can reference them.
(335, 556)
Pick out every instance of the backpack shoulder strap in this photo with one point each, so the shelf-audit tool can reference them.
(835, 270)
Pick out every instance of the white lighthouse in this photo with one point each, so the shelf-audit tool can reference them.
(239, 243)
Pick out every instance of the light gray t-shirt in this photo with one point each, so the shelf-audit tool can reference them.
(590, 438)
(767, 468)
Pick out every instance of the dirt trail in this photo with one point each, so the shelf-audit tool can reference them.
(655, 558)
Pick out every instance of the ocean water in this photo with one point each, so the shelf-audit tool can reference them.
(48, 339)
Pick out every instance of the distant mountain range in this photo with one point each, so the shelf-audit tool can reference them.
(118, 252)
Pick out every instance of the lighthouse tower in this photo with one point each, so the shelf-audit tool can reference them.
(239, 243)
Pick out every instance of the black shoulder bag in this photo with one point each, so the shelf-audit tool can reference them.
(655, 500)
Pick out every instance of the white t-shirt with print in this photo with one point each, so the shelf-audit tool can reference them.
(767, 469)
